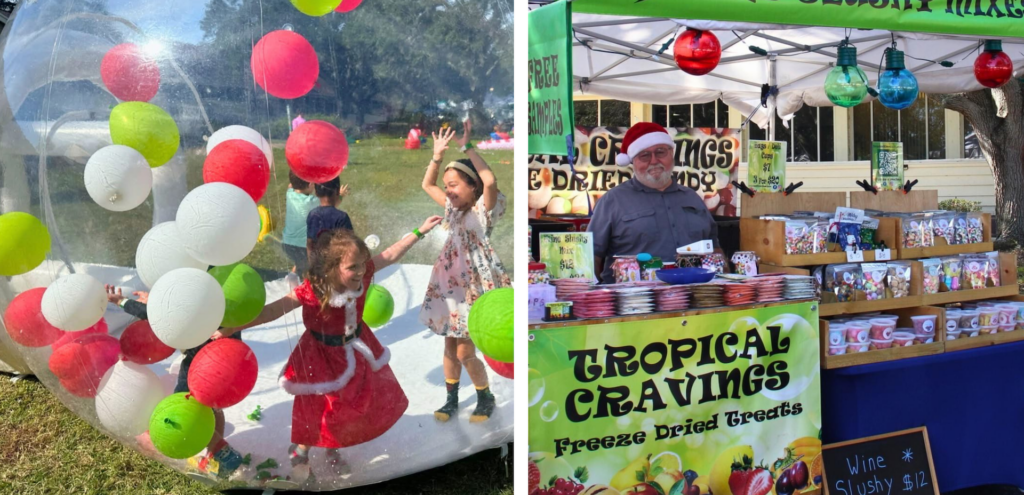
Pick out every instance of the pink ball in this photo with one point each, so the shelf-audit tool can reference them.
(317, 151)
(223, 373)
(25, 323)
(348, 6)
(140, 345)
(502, 369)
(81, 363)
(99, 328)
(285, 64)
(239, 163)
(129, 74)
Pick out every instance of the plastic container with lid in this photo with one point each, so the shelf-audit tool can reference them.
(539, 273)
(648, 265)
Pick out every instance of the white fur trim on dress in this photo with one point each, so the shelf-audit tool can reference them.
(347, 300)
(321, 388)
(647, 140)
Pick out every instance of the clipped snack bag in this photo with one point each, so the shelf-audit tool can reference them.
(942, 226)
(745, 262)
(932, 275)
(975, 272)
(868, 233)
(818, 234)
(818, 274)
(975, 233)
(913, 231)
(898, 279)
(872, 280)
(845, 280)
(796, 237)
(960, 228)
(927, 234)
(993, 268)
(951, 271)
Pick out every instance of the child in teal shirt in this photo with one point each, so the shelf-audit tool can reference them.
(300, 200)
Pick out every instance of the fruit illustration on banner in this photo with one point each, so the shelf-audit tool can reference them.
(721, 470)
(748, 479)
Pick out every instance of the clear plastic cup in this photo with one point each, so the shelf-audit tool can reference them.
(836, 334)
(1007, 314)
(924, 324)
(881, 329)
(952, 335)
(877, 344)
(836, 350)
(903, 337)
(857, 332)
(855, 348)
(952, 322)
(924, 339)
(989, 329)
(1009, 327)
(970, 320)
(968, 333)
(988, 316)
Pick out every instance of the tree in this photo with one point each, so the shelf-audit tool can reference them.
(997, 116)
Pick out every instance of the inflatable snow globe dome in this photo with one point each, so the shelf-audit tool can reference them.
(158, 165)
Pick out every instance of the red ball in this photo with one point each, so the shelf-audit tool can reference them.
(25, 323)
(129, 74)
(140, 345)
(240, 163)
(99, 328)
(502, 369)
(285, 64)
(317, 151)
(993, 68)
(82, 362)
(697, 52)
(348, 6)
(222, 373)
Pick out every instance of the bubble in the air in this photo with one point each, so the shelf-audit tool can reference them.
(549, 411)
(288, 27)
(535, 388)
(372, 241)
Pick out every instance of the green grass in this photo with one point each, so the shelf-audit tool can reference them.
(45, 448)
(385, 199)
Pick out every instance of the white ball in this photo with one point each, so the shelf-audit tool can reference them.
(245, 134)
(218, 223)
(185, 307)
(74, 302)
(118, 178)
(126, 398)
(161, 251)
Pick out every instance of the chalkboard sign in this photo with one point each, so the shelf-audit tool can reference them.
(894, 463)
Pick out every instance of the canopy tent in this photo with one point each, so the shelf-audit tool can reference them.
(621, 57)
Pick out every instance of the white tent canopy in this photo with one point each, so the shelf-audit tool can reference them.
(617, 57)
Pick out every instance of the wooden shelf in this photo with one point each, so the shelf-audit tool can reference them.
(767, 238)
(882, 355)
(854, 307)
(968, 295)
(984, 340)
(543, 325)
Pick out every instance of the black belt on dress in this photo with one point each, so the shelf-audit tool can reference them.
(336, 340)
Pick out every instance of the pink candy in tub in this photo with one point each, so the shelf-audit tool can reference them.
(1007, 314)
(924, 324)
(1008, 327)
(855, 348)
(836, 350)
(903, 337)
(989, 329)
(837, 335)
(881, 329)
(857, 332)
(881, 344)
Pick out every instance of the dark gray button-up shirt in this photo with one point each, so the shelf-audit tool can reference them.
(632, 219)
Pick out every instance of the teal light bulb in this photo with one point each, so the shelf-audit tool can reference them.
(846, 85)
(897, 87)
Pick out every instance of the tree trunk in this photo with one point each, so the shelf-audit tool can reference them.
(998, 119)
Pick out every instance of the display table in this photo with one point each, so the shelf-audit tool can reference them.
(972, 402)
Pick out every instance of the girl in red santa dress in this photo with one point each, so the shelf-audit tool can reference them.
(345, 392)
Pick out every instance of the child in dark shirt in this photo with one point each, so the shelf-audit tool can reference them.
(228, 459)
(327, 216)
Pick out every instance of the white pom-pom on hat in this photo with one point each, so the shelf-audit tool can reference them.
(623, 159)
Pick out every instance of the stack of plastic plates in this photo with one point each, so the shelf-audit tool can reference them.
(565, 287)
(799, 287)
(635, 301)
(672, 298)
(593, 304)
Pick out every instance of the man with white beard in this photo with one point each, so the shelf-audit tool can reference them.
(650, 213)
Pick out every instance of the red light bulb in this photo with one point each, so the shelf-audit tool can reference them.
(993, 67)
(697, 52)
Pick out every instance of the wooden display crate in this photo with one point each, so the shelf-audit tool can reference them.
(987, 340)
(915, 200)
(941, 248)
(891, 354)
(861, 304)
(786, 204)
(1007, 280)
(767, 238)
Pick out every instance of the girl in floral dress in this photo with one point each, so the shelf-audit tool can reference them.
(467, 267)
(345, 392)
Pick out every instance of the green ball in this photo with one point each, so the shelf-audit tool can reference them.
(244, 293)
(490, 325)
(146, 128)
(181, 427)
(379, 307)
(316, 8)
(24, 242)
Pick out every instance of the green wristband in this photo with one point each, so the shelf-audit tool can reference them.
(418, 234)
(467, 147)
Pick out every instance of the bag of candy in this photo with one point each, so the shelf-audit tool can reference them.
(932, 268)
(974, 271)
(942, 226)
(868, 231)
(898, 279)
(818, 234)
(913, 231)
(993, 268)
(975, 233)
(960, 228)
(952, 267)
(872, 280)
(796, 237)
(844, 280)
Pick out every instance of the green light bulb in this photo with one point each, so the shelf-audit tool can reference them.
(846, 85)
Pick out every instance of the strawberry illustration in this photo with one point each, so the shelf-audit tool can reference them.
(749, 480)
(534, 477)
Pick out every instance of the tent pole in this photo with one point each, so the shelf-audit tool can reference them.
(773, 80)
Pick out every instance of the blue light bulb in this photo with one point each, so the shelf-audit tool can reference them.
(897, 86)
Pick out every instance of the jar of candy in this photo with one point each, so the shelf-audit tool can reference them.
(539, 273)
(626, 269)
(648, 265)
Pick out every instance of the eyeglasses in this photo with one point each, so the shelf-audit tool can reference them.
(659, 153)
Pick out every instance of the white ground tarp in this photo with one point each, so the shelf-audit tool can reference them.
(617, 57)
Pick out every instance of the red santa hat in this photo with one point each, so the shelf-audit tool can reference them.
(641, 136)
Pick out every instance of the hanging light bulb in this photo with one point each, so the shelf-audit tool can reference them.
(697, 52)
(993, 67)
(897, 86)
(846, 85)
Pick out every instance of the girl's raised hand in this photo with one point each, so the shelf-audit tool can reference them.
(441, 140)
(467, 129)
(114, 295)
(430, 223)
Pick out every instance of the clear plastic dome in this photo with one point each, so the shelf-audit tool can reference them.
(137, 134)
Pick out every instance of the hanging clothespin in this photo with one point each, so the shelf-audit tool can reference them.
(909, 185)
(867, 186)
(791, 187)
(742, 186)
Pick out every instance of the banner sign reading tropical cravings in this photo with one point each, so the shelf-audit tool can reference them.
(725, 403)
(988, 18)
(550, 76)
(706, 161)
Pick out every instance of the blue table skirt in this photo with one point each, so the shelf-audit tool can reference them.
(972, 402)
